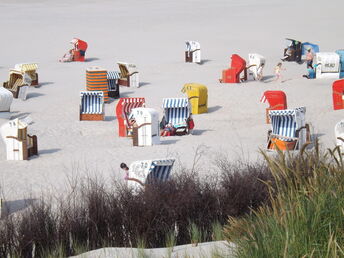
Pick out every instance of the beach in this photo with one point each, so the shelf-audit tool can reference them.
(152, 35)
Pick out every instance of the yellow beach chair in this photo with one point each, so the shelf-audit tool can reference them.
(198, 97)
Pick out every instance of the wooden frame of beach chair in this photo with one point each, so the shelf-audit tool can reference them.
(19, 144)
(198, 97)
(176, 112)
(91, 106)
(193, 52)
(289, 130)
(129, 75)
(149, 172)
(123, 110)
(277, 101)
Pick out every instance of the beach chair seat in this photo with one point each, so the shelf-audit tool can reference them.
(112, 78)
(123, 110)
(193, 52)
(198, 97)
(289, 130)
(176, 113)
(91, 105)
(150, 172)
(19, 144)
(129, 76)
(277, 101)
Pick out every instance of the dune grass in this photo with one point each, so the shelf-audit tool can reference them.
(306, 215)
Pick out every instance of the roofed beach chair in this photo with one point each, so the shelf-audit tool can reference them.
(293, 51)
(18, 84)
(327, 65)
(255, 67)
(146, 131)
(289, 130)
(91, 105)
(193, 52)
(129, 75)
(19, 144)
(176, 113)
(276, 99)
(96, 80)
(123, 110)
(112, 78)
(6, 99)
(150, 171)
(79, 50)
(232, 74)
(198, 97)
(339, 133)
(30, 69)
(338, 94)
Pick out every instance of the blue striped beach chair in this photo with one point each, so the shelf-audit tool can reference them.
(91, 105)
(150, 171)
(112, 78)
(289, 130)
(176, 112)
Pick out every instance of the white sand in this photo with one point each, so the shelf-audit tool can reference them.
(151, 34)
(208, 249)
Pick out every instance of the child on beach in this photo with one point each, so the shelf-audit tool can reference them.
(278, 70)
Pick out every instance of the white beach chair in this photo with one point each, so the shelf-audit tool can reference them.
(19, 144)
(6, 98)
(147, 131)
(193, 52)
(129, 75)
(327, 65)
(339, 133)
(255, 67)
(149, 171)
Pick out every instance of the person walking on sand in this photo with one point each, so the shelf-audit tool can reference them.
(309, 58)
(278, 70)
(126, 176)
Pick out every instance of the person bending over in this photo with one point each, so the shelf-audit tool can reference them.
(126, 176)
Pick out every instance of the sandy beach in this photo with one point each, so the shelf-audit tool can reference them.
(152, 34)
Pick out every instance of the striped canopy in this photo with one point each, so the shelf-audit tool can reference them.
(160, 170)
(26, 67)
(286, 122)
(92, 102)
(176, 110)
(112, 77)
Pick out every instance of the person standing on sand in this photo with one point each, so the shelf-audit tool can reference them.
(278, 70)
(309, 58)
(126, 176)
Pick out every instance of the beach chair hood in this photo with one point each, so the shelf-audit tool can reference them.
(176, 111)
(307, 45)
(198, 97)
(79, 44)
(192, 45)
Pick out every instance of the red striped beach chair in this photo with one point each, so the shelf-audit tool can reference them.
(123, 109)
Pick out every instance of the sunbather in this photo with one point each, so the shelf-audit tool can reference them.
(68, 57)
